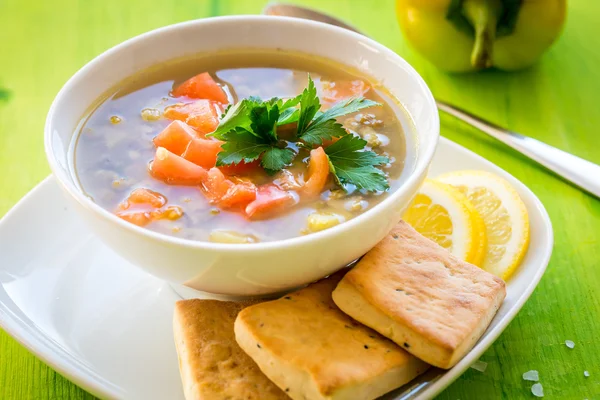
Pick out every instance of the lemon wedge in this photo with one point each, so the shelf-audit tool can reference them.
(443, 214)
(504, 215)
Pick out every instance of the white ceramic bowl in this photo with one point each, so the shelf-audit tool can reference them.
(242, 270)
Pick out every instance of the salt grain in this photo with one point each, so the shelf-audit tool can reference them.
(479, 366)
(532, 375)
(586, 374)
(570, 344)
(537, 390)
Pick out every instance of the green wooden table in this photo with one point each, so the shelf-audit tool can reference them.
(42, 43)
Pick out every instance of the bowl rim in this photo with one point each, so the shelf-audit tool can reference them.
(420, 166)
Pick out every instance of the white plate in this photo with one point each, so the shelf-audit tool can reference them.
(113, 337)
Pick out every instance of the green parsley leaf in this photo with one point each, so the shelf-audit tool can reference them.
(344, 107)
(288, 111)
(324, 127)
(249, 130)
(326, 130)
(289, 103)
(275, 159)
(264, 120)
(351, 164)
(240, 145)
(236, 116)
(255, 136)
(309, 106)
(288, 116)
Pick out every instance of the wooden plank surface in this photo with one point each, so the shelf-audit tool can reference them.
(42, 43)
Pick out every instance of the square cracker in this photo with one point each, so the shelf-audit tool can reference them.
(312, 350)
(211, 363)
(416, 293)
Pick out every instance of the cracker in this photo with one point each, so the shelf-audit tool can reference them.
(419, 295)
(211, 363)
(312, 350)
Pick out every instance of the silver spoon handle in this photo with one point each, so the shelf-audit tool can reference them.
(581, 172)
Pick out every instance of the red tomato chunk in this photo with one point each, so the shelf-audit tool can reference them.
(202, 115)
(143, 206)
(269, 200)
(176, 137)
(318, 172)
(176, 170)
(203, 152)
(201, 86)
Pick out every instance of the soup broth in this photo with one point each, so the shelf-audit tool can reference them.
(115, 147)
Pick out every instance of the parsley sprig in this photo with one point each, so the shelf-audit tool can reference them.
(249, 132)
(350, 164)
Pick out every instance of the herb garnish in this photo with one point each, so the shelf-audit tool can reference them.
(351, 165)
(249, 130)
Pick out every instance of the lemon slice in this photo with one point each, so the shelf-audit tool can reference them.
(445, 215)
(504, 214)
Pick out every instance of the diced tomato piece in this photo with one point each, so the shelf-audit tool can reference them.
(201, 86)
(341, 90)
(176, 170)
(216, 185)
(222, 191)
(269, 200)
(144, 199)
(241, 168)
(202, 115)
(180, 111)
(318, 172)
(203, 152)
(204, 122)
(176, 137)
(139, 218)
(149, 208)
(239, 195)
(145, 196)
